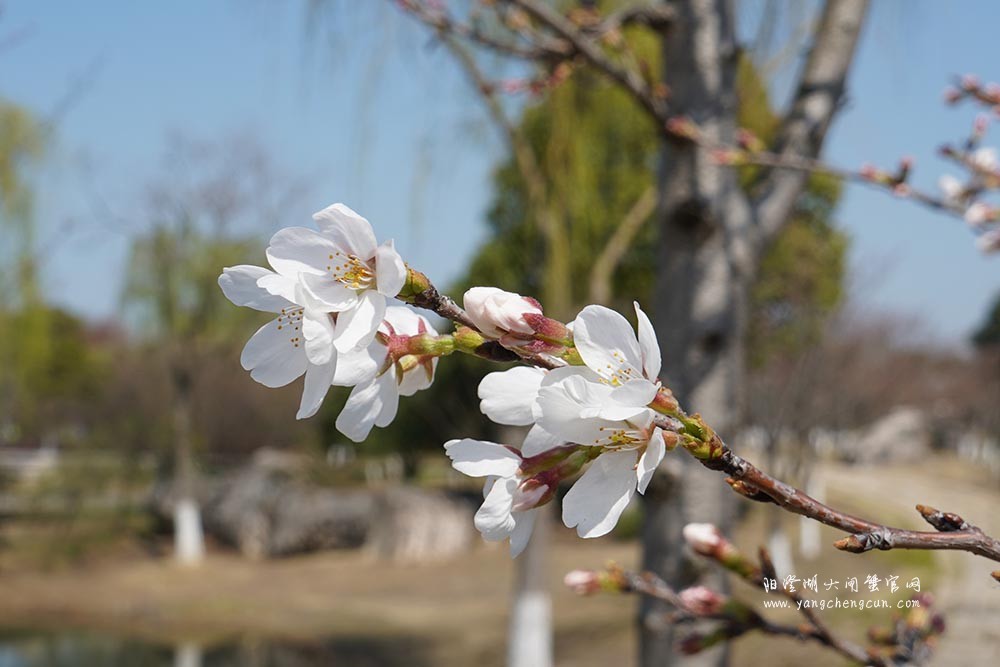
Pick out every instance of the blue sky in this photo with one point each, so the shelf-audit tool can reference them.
(365, 112)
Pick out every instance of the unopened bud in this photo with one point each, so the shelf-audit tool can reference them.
(496, 312)
(989, 241)
(549, 330)
(683, 128)
(749, 141)
(704, 538)
(979, 214)
(415, 285)
(582, 582)
(702, 601)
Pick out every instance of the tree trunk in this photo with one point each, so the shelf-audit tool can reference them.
(701, 292)
(189, 538)
(710, 239)
(530, 634)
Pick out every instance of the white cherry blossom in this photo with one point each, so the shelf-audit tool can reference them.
(378, 378)
(299, 341)
(341, 267)
(508, 509)
(597, 500)
(609, 347)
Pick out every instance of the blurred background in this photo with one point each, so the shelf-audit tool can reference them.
(144, 146)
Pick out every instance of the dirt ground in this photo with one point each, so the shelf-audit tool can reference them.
(454, 613)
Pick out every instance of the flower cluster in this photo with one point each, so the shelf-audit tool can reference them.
(591, 397)
(597, 413)
(329, 289)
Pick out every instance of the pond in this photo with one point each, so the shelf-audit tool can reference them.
(26, 648)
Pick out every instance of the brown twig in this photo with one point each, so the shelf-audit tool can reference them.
(815, 630)
(865, 535)
(590, 50)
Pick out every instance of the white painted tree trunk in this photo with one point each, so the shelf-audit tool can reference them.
(189, 538)
(529, 636)
(187, 654)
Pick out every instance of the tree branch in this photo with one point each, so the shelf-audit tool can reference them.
(818, 96)
(621, 239)
(444, 24)
(584, 45)
(748, 480)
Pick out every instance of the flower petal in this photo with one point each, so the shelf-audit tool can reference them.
(390, 271)
(634, 393)
(507, 396)
(329, 292)
(573, 410)
(357, 327)
(272, 355)
(539, 440)
(318, 379)
(494, 518)
(417, 379)
(359, 366)
(347, 229)
(524, 524)
(599, 497)
(239, 284)
(648, 345)
(279, 285)
(390, 399)
(317, 329)
(607, 344)
(650, 459)
(296, 250)
(361, 410)
(479, 458)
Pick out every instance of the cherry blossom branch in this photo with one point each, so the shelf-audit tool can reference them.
(735, 618)
(699, 440)
(434, 16)
(590, 50)
(750, 481)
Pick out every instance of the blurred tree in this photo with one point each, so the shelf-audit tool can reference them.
(199, 221)
(988, 333)
(25, 324)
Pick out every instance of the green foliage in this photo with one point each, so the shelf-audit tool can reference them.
(21, 147)
(597, 151)
(988, 334)
(800, 280)
(171, 289)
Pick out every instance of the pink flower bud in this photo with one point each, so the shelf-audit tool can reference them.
(989, 242)
(869, 172)
(548, 329)
(704, 538)
(970, 81)
(952, 95)
(583, 582)
(702, 601)
(980, 124)
(978, 214)
(511, 86)
(681, 126)
(497, 313)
